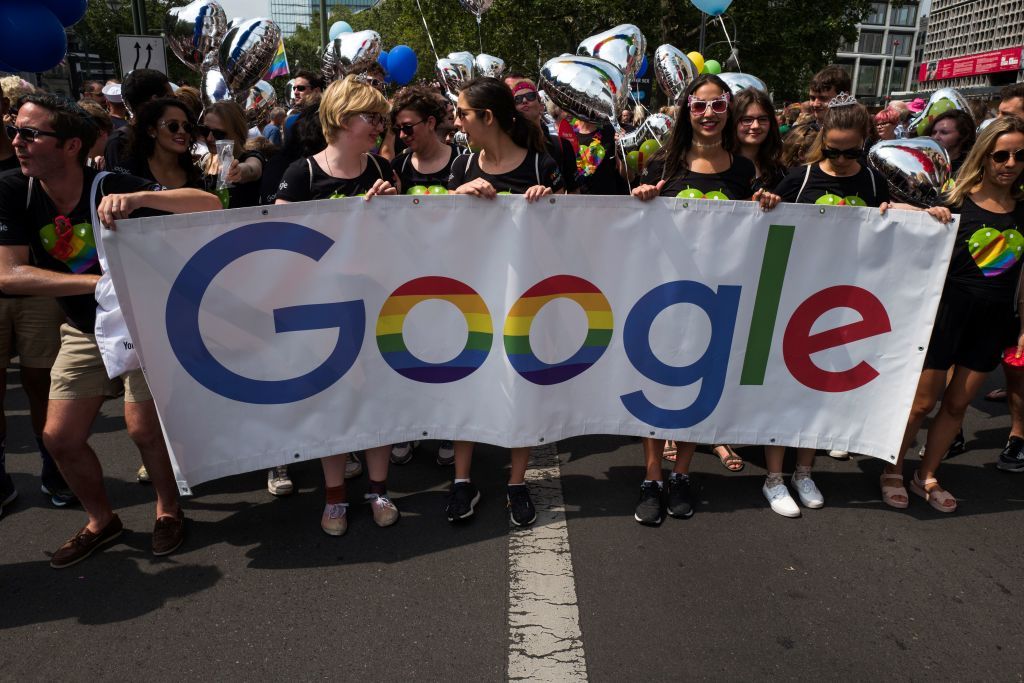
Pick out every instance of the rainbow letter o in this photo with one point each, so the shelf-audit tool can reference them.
(391, 342)
(520, 319)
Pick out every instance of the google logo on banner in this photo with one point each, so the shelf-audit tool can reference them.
(391, 342)
(520, 319)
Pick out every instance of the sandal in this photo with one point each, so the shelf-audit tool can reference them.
(670, 451)
(936, 497)
(890, 492)
(996, 395)
(731, 460)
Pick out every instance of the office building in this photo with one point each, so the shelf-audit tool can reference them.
(881, 61)
(289, 14)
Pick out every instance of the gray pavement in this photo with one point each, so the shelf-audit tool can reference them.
(853, 591)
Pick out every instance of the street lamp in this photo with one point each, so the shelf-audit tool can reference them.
(888, 88)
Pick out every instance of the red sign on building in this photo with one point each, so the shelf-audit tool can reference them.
(1007, 59)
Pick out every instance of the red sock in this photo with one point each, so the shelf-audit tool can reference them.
(379, 487)
(336, 494)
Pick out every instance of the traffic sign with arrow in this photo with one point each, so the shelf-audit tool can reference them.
(141, 52)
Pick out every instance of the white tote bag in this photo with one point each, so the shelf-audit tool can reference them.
(112, 335)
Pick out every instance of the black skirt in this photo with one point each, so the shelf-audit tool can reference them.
(970, 331)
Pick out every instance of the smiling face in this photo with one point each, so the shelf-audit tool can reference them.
(362, 130)
(415, 131)
(707, 123)
(819, 102)
(1005, 175)
(753, 125)
(46, 154)
(170, 131)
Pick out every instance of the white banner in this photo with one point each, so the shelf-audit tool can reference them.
(271, 335)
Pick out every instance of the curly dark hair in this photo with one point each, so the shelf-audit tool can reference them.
(424, 101)
(143, 145)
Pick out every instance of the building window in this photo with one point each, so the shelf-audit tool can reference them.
(905, 43)
(867, 79)
(870, 43)
(898, 78)
(876, 15)
(905, 15)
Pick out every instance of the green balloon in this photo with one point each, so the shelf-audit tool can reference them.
(712, 66)
(718, 194)
(437, 189)
(632, 159)
(691, 193)
(649, 147)
(418, 189)
(505, 192)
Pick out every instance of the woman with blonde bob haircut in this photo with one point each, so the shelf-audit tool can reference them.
(353, 115)
(976, 321)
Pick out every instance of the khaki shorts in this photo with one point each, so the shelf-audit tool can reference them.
(79, 372)
(30, 329)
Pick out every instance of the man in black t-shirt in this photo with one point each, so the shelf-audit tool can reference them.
(139, 87)
(46, 249)
(8, 161)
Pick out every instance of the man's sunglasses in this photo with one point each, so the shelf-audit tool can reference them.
(529, 96)
(832, 153)
(405, 129)
(300, 88)
(1000, 157)
(29, 134)
(699, 107)
(174, 126)
(206, 131)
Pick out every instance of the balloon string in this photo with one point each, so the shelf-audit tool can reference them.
(732, 50)
(618, 146)
(427, 29)
(479, 33)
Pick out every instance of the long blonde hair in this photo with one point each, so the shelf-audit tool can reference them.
(973, 171)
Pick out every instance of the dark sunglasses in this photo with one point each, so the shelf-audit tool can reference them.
(1000, 157)
(174, 126)
(852, 153)
(206, 131)
(529, 96)
(29, 134)
(300, 88)
(461, 113)
(406, 129)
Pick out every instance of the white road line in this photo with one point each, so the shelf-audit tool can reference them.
(545, 642)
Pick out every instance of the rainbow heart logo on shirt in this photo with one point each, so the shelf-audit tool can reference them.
(995, 252)
(73, 245)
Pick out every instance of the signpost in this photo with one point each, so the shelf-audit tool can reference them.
(141, 52)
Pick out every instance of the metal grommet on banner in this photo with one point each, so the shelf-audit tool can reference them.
(821, 211)
(920, 348)
(296, 456)
(686, 205)
(552, 200)
(542, 439)
(265, 212)
(424, 433)
(772, 440)
(415, 201)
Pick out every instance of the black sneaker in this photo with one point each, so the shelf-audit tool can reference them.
(680, 497)
(648, 510)
(1012, 457)
(959, 445)
(462, 501)
(520, 506)
(57, 491)
(7, 491)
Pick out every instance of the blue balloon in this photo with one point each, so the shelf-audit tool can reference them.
(643, 68)
(402, 64)
(339, 27)
(712, 7)
(31, 36)
(5, 69)
(69, 12)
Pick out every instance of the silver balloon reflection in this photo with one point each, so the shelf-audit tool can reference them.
(247, 52)
(916, 169)
(657, 127)
(740, 81)
(476, 7)
(450, 76)
(941, 101)
(260, 99)
(355, 52)
(213, 87)
(489, 65)
(195, 30)
(464, 62)
(674, 71)
(623, 46)
(983, 125)
(587, 87)
(329, 63)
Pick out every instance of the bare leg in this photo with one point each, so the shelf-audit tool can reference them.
(653, 450)
(144, 430)
(964, 386)
(520, 459)
(773, 457)
(684, 456)
(334, 469)
(929, 388)
(36, 382)
(463, 459)
(1015, 399)
(377, 460)
(66, 436)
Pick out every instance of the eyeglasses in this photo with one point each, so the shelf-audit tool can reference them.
(373, 118)
(174, 126)
(405, 129)
(832, 153)
(206, 131)
(29, 134)
(461, 113)
(1002, 156)
(699, 107)
(300, 88)
(528, 96)
(748, 121)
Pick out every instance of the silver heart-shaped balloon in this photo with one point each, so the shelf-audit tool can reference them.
(195, 30)
(247, 52)
(477, 7)
(674, 71)
(623, 46)
(587, 87)
(464, 62)
(489, 65)
(657, 127)
(450, 76)
(213, 87)
(916, 169)
(329, 63)
(739, 81)
(259, 100)
(941, 101)
(355, 52)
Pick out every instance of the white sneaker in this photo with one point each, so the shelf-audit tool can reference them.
(278, 481)
(839, 455)
(446, 453)
(401, 453)
(780, 500)
(354, 466)
(809, 494)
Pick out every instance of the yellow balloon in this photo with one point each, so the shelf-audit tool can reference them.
(698, 61)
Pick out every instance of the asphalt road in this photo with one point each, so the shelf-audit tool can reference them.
(851, 591)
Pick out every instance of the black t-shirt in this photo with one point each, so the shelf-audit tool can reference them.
(596, 171)
(116, 154)
(244, 194)
(736, 182)
(298, 186)
(63, 244)
(987, 253)
(536, 169)
(564, 155)
(408, 176)
(9, 164)
(867, 185)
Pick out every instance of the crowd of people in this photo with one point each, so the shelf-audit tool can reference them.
(142, 148)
